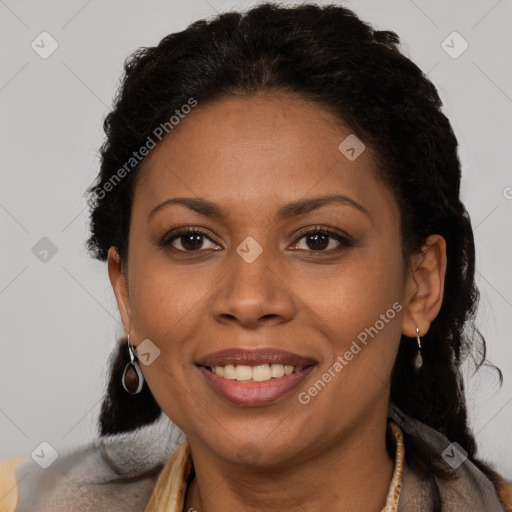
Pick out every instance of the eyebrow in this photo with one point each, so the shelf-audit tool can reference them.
(209, 209)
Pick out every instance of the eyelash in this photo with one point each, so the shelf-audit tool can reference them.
(344, 240)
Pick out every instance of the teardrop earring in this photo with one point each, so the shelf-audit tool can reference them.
(418, 360)
(132, 378)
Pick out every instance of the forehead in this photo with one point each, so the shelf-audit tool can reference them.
(257, 151)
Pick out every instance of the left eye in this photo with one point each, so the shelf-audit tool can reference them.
(318, 240)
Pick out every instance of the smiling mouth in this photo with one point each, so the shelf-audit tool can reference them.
(254, 377)
(275, 382)
(257, 373)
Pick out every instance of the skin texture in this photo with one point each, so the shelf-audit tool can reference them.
(251, 156)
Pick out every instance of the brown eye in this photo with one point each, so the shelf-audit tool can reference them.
(317, 241)
(191, 242)
(321, 240)
(188, 240)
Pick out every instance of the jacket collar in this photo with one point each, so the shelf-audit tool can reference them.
(469, 490)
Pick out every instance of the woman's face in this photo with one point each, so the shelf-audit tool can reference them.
(251, 283)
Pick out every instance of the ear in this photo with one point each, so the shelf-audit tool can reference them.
(424, 288)
(118, 280)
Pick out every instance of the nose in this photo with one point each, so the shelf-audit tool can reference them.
(253, 294)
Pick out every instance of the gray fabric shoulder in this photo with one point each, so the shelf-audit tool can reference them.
(116, 473)
(471, 490)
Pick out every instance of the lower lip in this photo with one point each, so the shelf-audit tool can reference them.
(253, 394)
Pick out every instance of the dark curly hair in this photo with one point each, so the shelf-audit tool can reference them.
(327, 55)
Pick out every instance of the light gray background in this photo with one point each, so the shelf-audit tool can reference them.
(59, 319)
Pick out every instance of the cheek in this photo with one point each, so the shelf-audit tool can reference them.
(361, 313)
(353, 295)
(165, 299)
(166, 310)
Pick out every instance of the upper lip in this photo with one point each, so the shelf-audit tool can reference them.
(254, 357)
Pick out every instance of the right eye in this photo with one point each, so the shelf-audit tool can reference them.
(190, 240)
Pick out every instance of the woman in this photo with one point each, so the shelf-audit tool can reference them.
(278, 204)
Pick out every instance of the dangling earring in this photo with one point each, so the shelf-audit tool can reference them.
(132, 378)
(418, 360)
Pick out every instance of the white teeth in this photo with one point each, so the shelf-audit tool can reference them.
(259, 373)
(243, 372)
(229, 371)
(277, 370)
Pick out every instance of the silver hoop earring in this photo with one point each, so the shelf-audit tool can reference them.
(132, 379)
(418, 360)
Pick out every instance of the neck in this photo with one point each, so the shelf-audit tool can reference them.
(352, 474)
